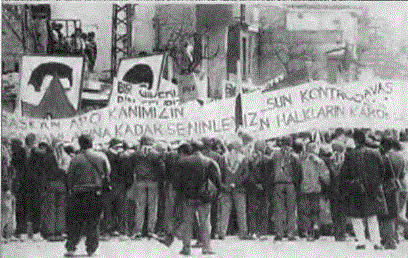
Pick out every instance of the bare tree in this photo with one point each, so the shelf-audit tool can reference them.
(176, 48)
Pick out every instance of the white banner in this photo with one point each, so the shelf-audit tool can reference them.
(130, 122)
(374, 104)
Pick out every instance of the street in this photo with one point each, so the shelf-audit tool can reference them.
(231, 247)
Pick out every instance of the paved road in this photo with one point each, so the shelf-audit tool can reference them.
(229, 248)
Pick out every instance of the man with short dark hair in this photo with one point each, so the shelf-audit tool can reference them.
(86, 173)
(361, 177)
(259, 191)
(117, 197)
(195, 170)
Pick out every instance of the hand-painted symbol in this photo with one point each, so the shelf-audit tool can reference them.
(63, 71)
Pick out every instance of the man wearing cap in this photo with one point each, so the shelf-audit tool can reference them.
(287, 178)
(86, 172)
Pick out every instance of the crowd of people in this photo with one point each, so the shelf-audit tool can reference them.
(79, 43)
(190, 190)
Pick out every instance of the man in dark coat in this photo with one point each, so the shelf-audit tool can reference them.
(209, 150)
(114, 202)
(86, 172)
(361, 184)
(194, 171)
(33, 185)
(334, 164)
(19, 189)
(259, 191)
(394, 170)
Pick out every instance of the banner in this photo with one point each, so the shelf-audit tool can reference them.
(38, 73)
(130, 122)
(124, 93)
(374, 104)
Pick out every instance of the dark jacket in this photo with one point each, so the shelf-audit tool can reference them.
(293, 166)
(150, 166)
(117, 174)
(195, 170)
(219, 159)
(261, 172)
(19, 163)
(171, 167)
(33, 183)
(334, 169)
(365, 164)
(50, 170)
(394, 168)
(83, 176)
(127, 165)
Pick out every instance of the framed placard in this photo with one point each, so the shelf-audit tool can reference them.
(50, 86)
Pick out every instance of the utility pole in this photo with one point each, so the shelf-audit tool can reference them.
(121, 34)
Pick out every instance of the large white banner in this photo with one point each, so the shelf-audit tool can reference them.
(130, 122)
(373, 104)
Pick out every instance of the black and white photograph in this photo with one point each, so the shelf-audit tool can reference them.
(156, 129)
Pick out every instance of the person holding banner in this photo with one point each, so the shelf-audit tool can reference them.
(362, 189)
(287, 178)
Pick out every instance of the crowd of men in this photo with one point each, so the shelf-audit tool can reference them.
(63, 193)
(79, 43)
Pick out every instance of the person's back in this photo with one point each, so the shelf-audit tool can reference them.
(191, 175)
(83, 175)
(365, 163)
(84, 205)
(194, 170)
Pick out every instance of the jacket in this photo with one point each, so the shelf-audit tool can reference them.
(237, 175)
(150, 166)
(83, 176)
(194, 171)
(261, 172)
(313, 171)
(364, 164)
(217, 158)
(293, 170)
(127, 164)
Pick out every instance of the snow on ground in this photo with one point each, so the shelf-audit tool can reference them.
(229, 248)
